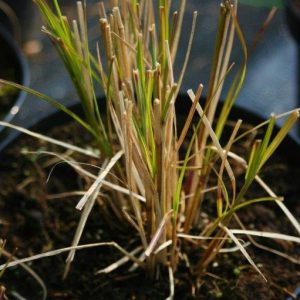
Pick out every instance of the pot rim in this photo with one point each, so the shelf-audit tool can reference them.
(238, 112)
(23, 67)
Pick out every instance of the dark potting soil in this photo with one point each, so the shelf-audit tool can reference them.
(32, 223)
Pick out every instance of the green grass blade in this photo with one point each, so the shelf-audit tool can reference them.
(50, 101)
(292, 119)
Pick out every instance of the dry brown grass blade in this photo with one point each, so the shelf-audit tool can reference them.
(265, 234)
(220, 176)
(127, 129)
(81, 171)
(119, 263)
(98, 181)
(172, 284)
(80, 227)
(266, 248)
(130, 47)
(158, 234)
(28, 269)
(50, 140)
(214, 138)
(263, 28)
(283, 207)
(243, 250)
(67, 249)
(178, 30)
(88, 201)
(189, 117)
(221, 66)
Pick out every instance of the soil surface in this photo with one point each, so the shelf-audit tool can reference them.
(33, 222)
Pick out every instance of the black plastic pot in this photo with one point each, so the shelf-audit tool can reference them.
(289, 148)
(293, 18)
(290, 145)
(11, 55)
(21, 21)
(293, 21)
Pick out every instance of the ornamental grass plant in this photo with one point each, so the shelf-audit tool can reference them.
(168, 171)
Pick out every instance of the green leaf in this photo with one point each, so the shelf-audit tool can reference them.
(51, 101)
(264, 3)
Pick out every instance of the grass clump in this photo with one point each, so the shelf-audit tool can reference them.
(169, 171)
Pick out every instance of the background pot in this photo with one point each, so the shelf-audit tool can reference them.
(293, 18)
(15, 15)
(12, 58)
